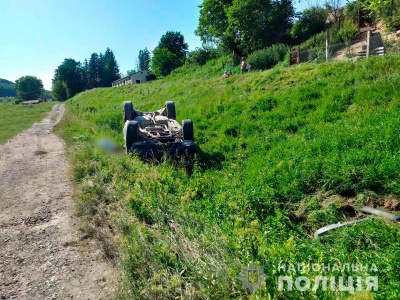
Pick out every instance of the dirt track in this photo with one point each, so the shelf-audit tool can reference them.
(42, 256)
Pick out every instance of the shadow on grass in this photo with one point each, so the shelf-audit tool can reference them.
(209, 160)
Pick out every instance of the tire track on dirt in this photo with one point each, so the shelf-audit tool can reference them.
(41, 254)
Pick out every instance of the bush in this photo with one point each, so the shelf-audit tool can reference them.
(393, 22)
(164, 62)
(348, 31)
(267, 58)
(201, 55)
(316, 55)
(317, 40)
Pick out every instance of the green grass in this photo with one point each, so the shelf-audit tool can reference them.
(17, 117)
(282, 153)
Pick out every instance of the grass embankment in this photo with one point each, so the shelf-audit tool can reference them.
(283, 152)
(17, 117)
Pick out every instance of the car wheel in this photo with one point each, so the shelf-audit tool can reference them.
(170, 108)
(128, 111)
(131, 134)
(187, 128)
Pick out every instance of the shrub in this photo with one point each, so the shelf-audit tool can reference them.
(267, 58)
(316, 55)
(348, 31)
(317, 40)
(201, 55)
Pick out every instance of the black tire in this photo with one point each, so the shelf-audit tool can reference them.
(131, 134)
(170, 108)
(187, 129)
(129, 113)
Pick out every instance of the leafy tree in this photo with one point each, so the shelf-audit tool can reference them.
(143, 60)
(213, 21)
(259, 23)
(169, 54)
(282, 18)
(175, 43)
(310, 22)
(248, 20)
(59, 91)
(29, 87)
(71, 73)
(164, 62)
(201, 55)
(245, 25)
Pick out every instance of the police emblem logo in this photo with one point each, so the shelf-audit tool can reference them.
(252, 277)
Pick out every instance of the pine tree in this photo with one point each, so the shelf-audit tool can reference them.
(85, 74)
(143, 60)
(93, 71)
(110, 68)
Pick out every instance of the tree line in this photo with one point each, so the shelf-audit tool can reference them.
(73, 77)
(169, 54)
(241, 27)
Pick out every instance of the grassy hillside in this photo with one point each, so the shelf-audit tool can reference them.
(282, 153)
(7, 88)
(17, 117)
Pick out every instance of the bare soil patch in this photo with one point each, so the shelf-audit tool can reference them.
(42, 256)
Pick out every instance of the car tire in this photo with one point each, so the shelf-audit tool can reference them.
(187, 130)
(131, 134)
(129, 113)
(170, 108)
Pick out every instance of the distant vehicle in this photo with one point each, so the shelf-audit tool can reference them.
(153, 134)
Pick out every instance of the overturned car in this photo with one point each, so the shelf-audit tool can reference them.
(154, 134)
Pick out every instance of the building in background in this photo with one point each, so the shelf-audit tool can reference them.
(137, 78)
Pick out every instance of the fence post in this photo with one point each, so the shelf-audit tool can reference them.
(368, 41)
(327, 45)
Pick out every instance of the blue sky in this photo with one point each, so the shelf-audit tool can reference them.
(37, 35)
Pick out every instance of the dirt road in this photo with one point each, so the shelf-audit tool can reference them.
(41, 254)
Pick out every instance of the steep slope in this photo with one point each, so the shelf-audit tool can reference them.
(282, 153)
